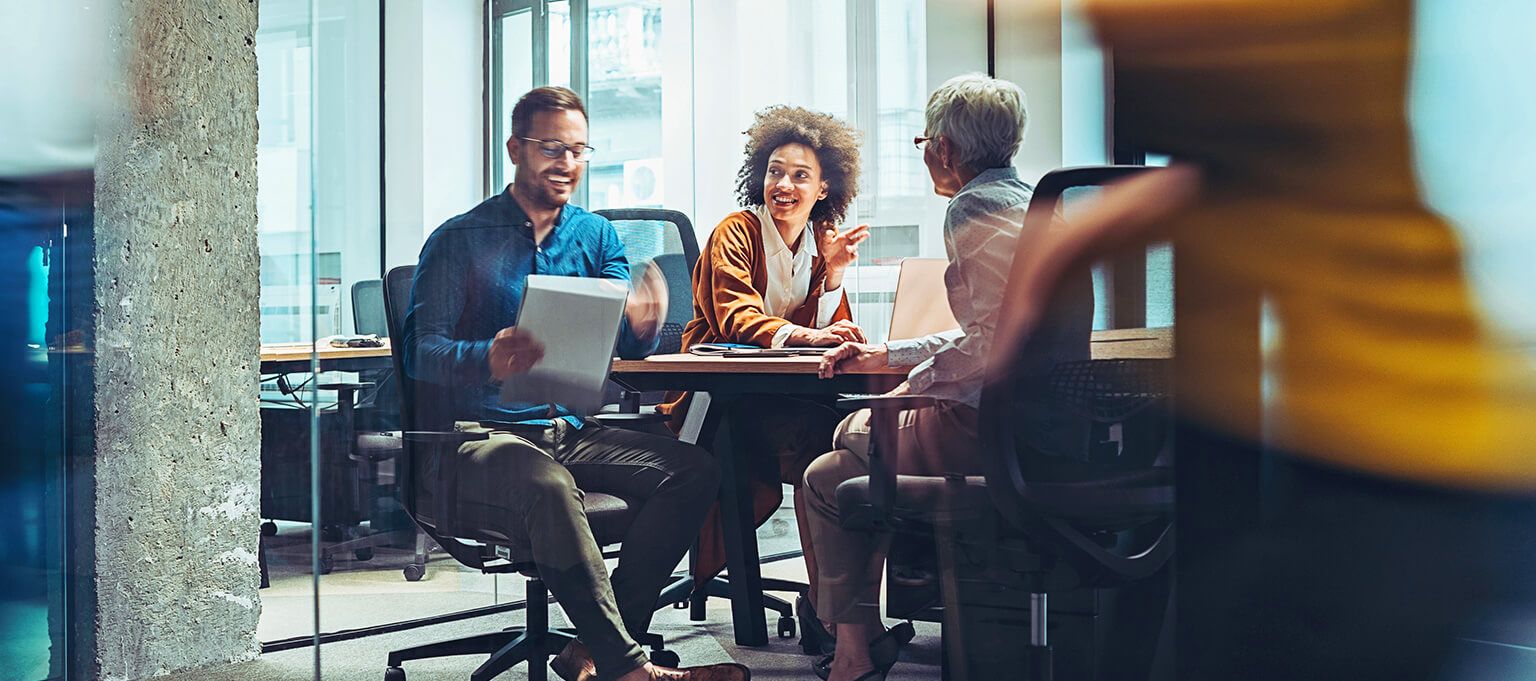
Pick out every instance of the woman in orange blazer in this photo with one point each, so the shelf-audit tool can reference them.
(771, 275)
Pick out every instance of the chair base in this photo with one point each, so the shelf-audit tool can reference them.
(720, 587)
(534, 644)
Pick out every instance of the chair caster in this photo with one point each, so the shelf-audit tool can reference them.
(394, 674)
(414, 572)
(664, 658)
(680, 605)
(363, 554)
(327, 564)
(269, 529)
(786, 627)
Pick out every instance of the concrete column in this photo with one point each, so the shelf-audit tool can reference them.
(177, 433)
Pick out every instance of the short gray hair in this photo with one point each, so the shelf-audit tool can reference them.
(982, 117)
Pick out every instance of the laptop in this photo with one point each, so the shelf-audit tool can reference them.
(922, 303)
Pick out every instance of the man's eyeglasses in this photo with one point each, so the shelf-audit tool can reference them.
(555, 149)
(920, 140)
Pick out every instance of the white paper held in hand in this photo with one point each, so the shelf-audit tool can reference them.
(577, 320)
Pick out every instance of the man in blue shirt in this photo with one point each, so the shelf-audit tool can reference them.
(526, 480)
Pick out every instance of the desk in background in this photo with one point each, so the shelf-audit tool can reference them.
(294, 358)
(728, 379)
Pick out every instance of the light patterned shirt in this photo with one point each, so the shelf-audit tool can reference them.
(981, 228)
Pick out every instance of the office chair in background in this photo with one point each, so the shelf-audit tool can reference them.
(1077, 497)
(431, 447)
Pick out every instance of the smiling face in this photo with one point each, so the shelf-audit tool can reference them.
(549, 181)
(792, 184)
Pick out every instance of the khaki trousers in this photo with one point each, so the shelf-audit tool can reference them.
(930, 441)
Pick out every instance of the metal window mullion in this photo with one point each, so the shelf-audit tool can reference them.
(539, 56)
(580, 73)
(863, 98)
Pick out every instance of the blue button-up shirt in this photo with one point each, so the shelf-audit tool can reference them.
(469, 285)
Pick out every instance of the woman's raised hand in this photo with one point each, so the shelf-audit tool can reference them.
(839, 249)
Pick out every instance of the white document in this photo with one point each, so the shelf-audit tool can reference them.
(576, 319)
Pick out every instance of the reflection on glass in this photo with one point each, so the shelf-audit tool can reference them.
(318, 216)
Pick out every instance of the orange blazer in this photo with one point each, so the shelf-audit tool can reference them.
(728, 285)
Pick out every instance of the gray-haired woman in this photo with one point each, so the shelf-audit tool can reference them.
(975, 125)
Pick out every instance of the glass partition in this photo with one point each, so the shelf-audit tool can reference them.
(340, 553)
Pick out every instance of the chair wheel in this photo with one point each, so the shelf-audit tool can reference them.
(363, 554)
(680, 605)
(414, 572)
(269, 529)
(786, 627)
(394, 674)
(327, 564)
(665, 658)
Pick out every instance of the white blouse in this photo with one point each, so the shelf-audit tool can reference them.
(789, 278)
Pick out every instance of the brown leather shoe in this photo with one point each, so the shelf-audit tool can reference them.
(725, 671)
(574, 663)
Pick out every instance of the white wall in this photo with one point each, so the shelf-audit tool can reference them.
(433, 116)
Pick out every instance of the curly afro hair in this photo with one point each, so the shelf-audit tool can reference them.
(837, 150)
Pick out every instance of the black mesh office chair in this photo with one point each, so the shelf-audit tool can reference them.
(431, 447)
(666, 238)
(1077, 500)
(368, 314)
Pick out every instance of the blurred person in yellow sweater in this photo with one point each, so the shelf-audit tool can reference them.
(1408, 432)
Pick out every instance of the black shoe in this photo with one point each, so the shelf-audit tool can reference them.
(814, 637)
(883, 651)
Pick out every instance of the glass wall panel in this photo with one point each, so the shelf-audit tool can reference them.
(290, 319)
(332, 501)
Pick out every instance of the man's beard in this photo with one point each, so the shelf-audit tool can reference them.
(536, 189)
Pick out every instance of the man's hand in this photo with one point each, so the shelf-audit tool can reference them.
(851, 358)
(513, 351)
(646, 307)
(841, 331)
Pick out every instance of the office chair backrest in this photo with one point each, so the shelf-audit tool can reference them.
(420, 410)
(1056, 472)
(664, 237)
(368, 314)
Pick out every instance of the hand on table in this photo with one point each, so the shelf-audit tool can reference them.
(841, 331)
(850, 358)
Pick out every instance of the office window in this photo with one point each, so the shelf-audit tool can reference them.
(617, 71)
(671, 86)
(317, 162)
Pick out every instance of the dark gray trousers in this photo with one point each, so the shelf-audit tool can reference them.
(526, 482)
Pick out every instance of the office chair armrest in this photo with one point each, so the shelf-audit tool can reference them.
(883, 402)
(345, 385)
(624, 419)
(437, 437)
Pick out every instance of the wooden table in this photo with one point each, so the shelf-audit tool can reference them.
(728, 379)
(292, 358)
